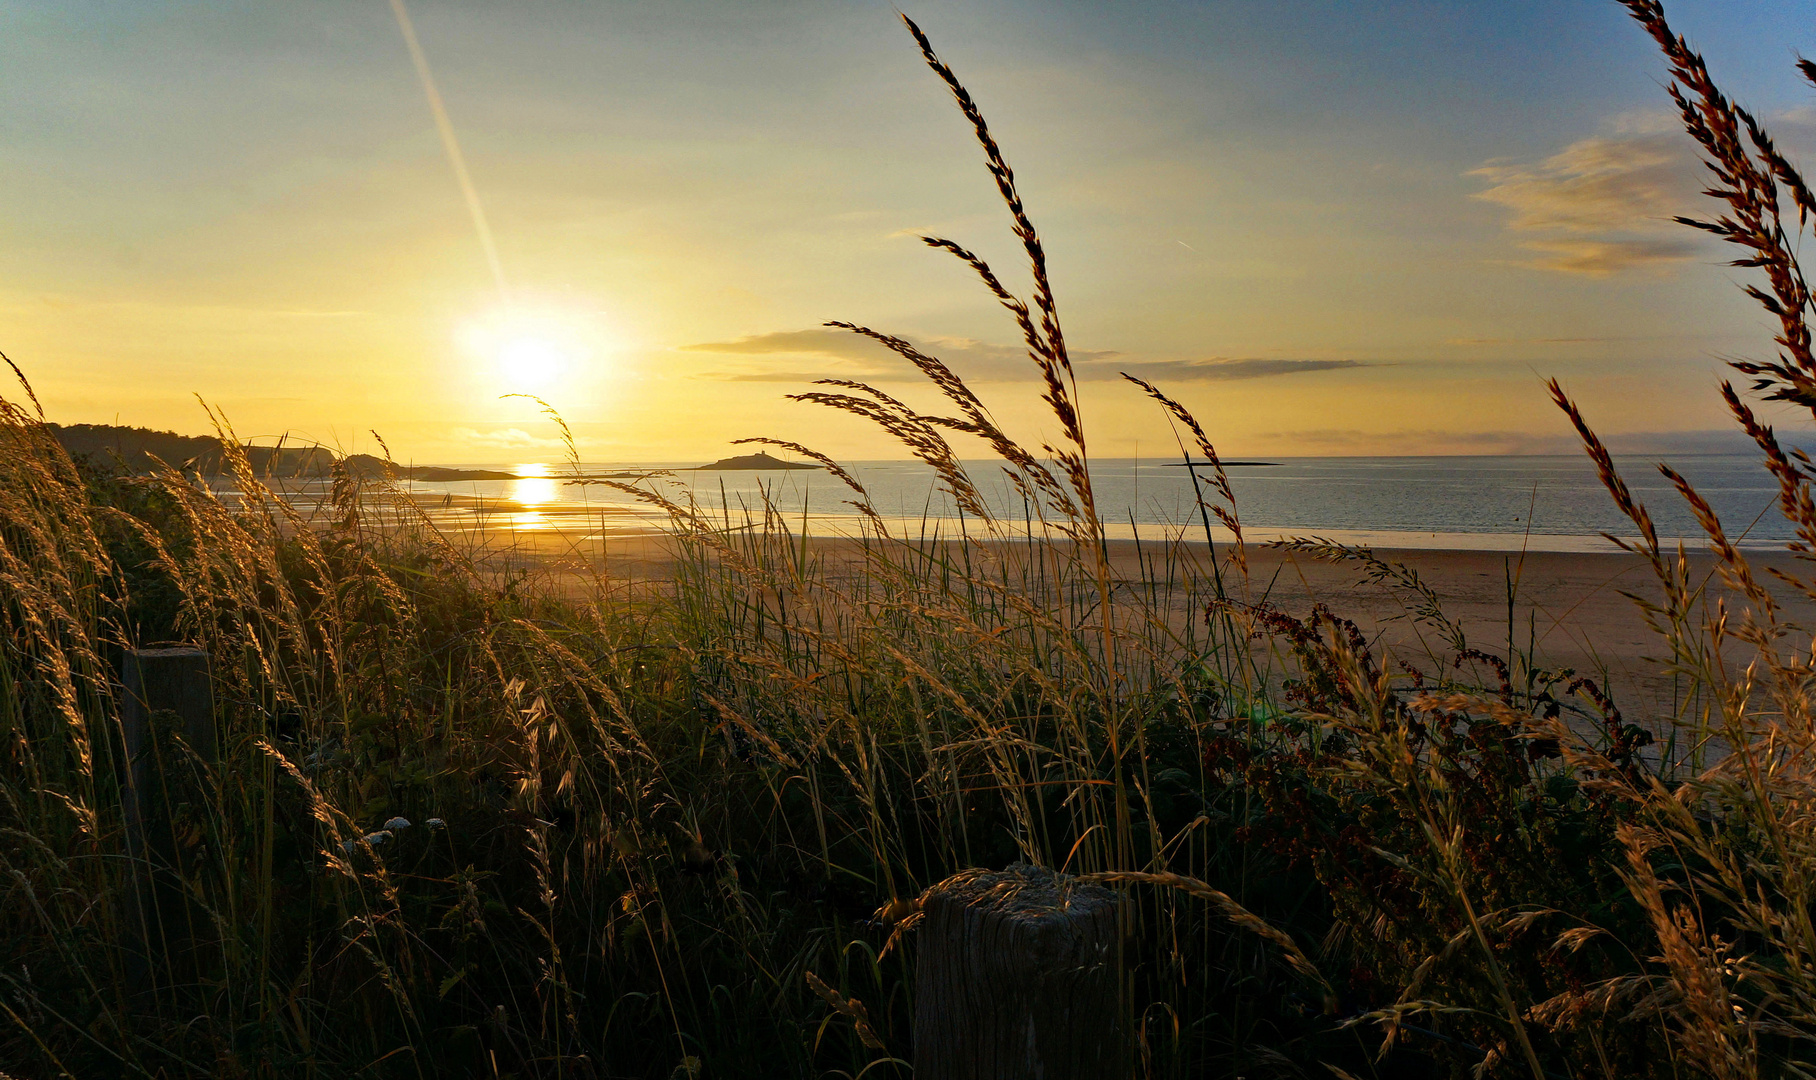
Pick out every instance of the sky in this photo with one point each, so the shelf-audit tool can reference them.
(1327, 228)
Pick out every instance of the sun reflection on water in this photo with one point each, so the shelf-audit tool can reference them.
(535, 490)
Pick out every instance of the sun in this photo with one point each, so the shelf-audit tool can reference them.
(531, 364)
(532, 350)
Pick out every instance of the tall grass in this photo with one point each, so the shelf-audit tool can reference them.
(465, 823)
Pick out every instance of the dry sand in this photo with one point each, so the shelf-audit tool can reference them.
(1566, 609)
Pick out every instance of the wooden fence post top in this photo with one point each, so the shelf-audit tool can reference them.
(1025, 893)
(172, 677)
(166, 656)
(1017, 979)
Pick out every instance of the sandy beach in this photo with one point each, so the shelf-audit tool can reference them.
(1565, 609)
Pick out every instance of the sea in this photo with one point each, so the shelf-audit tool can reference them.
(1534, 503)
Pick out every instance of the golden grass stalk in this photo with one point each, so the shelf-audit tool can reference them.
(1754, 797)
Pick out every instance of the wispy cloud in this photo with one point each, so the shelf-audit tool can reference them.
(1602, 206)
(1533, 340)
(820, 342)
(506, 439)
(1597, 185)
(800, 377)
(1338, 442)
(840, 353)
(1605, 258)
(853, 355)
(856, 356)
(1219, 369)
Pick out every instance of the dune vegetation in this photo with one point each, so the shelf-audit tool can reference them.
(462, 824)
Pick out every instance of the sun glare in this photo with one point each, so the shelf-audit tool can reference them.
(534, 491)
(531, 363)
(534, 486)
(533, 350)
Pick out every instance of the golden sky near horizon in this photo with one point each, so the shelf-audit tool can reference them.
(1329, 228)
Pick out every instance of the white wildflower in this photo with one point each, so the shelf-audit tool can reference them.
(436, 823)
(398, 823)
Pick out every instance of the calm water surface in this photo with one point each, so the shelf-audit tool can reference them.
(1500, 503)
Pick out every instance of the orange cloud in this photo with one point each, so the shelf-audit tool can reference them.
(1602, 206)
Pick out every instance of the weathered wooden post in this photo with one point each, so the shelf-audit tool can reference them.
(162, 680)
(170, 685)
(1017, 979)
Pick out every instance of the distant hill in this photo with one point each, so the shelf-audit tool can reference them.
(757, 460)
(136, 446)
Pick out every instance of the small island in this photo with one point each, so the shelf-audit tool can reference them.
(747, 462)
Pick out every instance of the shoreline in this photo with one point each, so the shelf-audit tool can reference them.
(529, 518)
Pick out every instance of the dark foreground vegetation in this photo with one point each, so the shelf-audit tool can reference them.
(462, 827)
